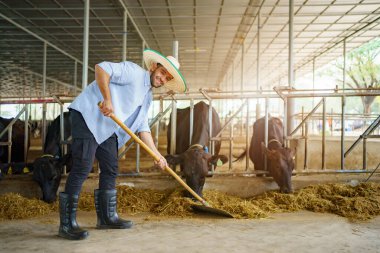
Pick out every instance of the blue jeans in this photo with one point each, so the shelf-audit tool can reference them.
(84, 150)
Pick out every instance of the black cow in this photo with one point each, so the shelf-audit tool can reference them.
(194, 161)
(18, 136)
(49, 167)
(280, 162)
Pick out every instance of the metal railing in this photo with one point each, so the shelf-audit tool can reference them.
(287, 93)
(267, 95)
(155, 121)
(366, 134)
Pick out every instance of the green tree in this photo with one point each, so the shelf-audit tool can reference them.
(362, 70)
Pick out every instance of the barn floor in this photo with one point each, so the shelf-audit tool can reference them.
(287, 232)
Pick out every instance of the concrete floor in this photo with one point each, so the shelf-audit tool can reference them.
(287, 232)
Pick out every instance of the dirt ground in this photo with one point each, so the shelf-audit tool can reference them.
(286, 232)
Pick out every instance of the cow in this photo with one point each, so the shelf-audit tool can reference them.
(49, 167)
(18, 137)
(280, 160)
(193, 157)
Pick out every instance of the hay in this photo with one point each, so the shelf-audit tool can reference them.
(356, 203)
(14, 206)
(238, 207)
(173, 204)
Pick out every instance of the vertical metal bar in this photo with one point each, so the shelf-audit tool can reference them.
(306, 144)
(125, 30)
(258, 110)
(324, 135)
(26, 133)
(343, 106)
(61, 129)
(158, 127)
(344, 64)
(266, 131)
(191, 121)
(173, 128)
(313, 101)
(332, 122)
(285, 121)
(210, 124)
(142, 52)
(231, 144)
(210, 132)
(242, 68)
(175, 50)
(75, 77)
(258, 53)
(303, 125)
(291, 105)
(86, 20)
(342, 133)
(62, 137)
(247, 137)
(43, 135)
(242, 84)
(156, 135)
(174, 109)
(241, 119)
(365, 152)
(10, 143)
(137, 158)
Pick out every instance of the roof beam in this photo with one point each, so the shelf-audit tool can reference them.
(42, 39)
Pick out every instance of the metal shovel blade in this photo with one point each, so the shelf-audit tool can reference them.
(211, 210)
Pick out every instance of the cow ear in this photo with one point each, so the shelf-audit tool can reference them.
(173, 159)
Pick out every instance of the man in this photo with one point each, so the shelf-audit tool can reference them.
(126, 91)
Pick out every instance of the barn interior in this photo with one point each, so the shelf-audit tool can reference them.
(314, 65)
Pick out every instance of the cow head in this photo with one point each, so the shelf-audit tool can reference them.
(47, 173)
(280, 166)
(195, 164)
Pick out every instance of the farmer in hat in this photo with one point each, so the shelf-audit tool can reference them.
(125, 90)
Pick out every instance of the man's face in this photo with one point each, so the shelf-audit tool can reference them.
(160, 76)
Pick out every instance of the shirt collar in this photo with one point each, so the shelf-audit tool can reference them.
(147, 79)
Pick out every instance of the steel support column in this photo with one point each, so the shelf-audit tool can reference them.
(86, 20)
(291, 102)
(43, 134)
(125, 30)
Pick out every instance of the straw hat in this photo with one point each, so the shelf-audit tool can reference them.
(171, 64)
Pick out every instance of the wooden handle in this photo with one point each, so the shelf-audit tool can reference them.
(156, 157)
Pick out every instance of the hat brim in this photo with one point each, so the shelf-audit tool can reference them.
(178, 82)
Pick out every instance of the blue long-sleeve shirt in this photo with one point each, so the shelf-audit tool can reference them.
(131, 94)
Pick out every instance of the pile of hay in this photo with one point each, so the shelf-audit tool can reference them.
(14, 206)
(356, 203)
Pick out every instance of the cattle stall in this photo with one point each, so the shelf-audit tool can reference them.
(235, 132)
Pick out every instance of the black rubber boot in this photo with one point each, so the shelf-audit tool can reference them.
(68, 227)
(105, 204)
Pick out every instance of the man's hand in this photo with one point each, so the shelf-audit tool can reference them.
(106, 108)
(161, 163)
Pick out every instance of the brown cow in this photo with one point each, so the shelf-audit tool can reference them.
(280, 162)
(194, 160)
